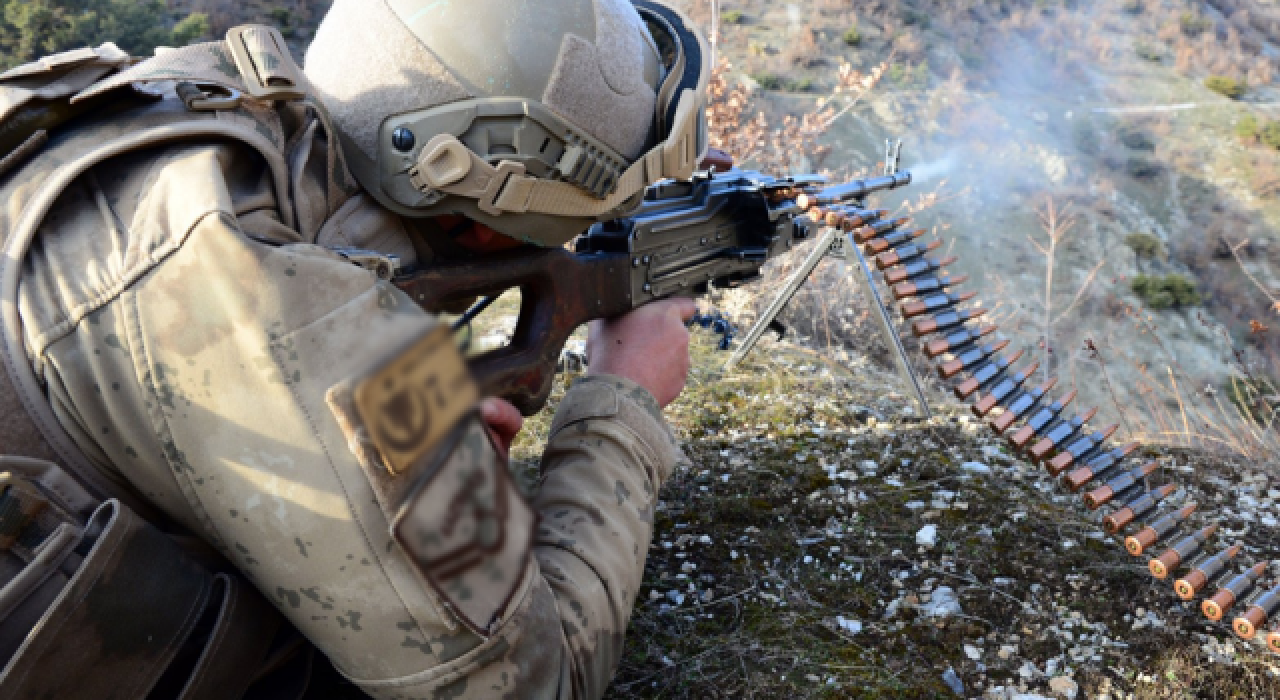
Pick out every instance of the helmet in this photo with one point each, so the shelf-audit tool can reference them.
(535, 118)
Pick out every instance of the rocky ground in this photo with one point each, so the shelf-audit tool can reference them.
(826, 542)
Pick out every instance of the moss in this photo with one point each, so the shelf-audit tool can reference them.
(732, 17)
(1227, 87)
(1166, 292)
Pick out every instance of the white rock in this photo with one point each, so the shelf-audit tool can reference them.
(927, 536)
(972, 652)
(850, 626)
(1064, 687)
(942, 603)
(976, 467)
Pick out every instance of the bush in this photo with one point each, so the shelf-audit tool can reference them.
(768, 81)
(1271, 134)
(1227, 87)
(1145, 245)
(852, 36)
(801, 85)
(1133, 7)
(1194, 24)
(1141, 167)
(1148, 52)
(1167, 292)
(732, 17)
(193, 28)
(30, 29)
(1247, 129)
(1137, 139)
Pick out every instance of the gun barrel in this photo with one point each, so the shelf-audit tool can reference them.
(853, 190)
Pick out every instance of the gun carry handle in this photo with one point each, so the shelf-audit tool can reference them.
(559, 291)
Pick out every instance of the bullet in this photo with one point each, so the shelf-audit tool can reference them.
(986, 374)
(1179, 552)
(1095, 466)
(1201, 574)
(1041, 419)
(934, 303)
(916, 269)
(855, 220)
(1216, 607)
(969, 358)
(905, 254)
(1080, 449)
(1103, 495)
(945, 321)
(1149, 535)
(891, 240)
(1059, 434)
(956, 341)
(925, 285)
(1005, 391)
(1246, 626)
(1021, 405)
(1137, 508)
(1273, 641)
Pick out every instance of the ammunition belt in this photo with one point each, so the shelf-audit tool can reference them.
(1035, 423)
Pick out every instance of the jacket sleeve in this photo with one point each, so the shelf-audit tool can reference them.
(608, 455)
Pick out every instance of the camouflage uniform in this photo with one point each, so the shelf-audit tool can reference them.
(187, 338)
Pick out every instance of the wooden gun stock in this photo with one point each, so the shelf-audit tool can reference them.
(559, 291)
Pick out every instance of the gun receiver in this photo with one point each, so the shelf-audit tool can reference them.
(717, 229)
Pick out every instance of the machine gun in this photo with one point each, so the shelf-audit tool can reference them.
(718, 229)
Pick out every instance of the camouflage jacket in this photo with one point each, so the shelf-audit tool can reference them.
(186, 317)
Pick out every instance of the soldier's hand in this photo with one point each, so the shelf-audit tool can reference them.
(649, 346)
(504, 422)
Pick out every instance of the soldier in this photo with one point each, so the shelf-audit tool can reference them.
(179, 320)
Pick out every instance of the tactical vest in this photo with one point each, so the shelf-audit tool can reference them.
(95, 601)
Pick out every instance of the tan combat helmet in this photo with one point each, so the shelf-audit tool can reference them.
(533, 117)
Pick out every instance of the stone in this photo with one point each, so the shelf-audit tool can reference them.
(1064, 687)
(850, 626)
(953, 681)
(942, 603)
(976, 468)
(927, 536)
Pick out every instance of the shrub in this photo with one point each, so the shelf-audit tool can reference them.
(1193, 24)
(1247, 129)
(30, 29)
(801, 85)
(1133, 7)
(1145, 245)
(1141, 167)
(1227, 87)
(768, 81)
(732, 17)
(1167, 292)
(194, 27)
(1137, 139)
(1271, 134)
(1148, 52)
(852, 36)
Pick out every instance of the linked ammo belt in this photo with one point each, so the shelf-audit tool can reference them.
(1034, 418)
